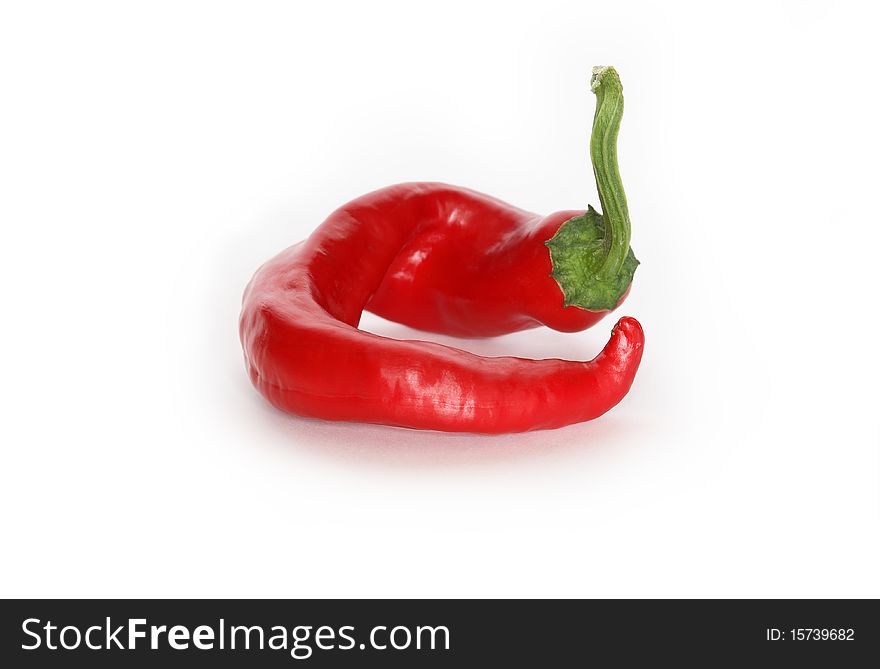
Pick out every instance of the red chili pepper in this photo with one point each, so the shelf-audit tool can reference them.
(449, 260)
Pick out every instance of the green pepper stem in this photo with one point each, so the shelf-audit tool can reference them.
(603, 153)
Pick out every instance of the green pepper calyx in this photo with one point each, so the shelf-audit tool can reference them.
(590, 254)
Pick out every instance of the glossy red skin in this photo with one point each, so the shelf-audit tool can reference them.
(474, 266)
(305, 354)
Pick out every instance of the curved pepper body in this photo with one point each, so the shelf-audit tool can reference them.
(473, 266)
(301, 310)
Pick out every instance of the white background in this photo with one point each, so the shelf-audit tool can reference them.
(153, 155)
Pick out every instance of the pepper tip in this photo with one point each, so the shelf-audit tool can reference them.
(629, 328)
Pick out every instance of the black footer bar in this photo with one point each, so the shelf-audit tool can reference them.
(427, 633)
